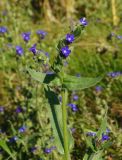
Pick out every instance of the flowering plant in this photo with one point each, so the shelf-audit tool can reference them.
(64, 82)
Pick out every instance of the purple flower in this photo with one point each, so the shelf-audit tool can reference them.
(75, 97)
(22, 129)
(114, 74)
(83, 21)
(108, 130)
(3, 30)
(41, 33)
(33, 149)
(98, 88)
(73, 130)
(119, 37)
(26, 36)
(78, 75)
(60, 99)
(73, 107)
(105, 137)
(47, 54)
(13, 139)
(19, 109)
(65, 51)
(19, 50)
(33, 49)
(70, 38)
(92, 134)
(49, 72)
(1, 109)
(47, 150)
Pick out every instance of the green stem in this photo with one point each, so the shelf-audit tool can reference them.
(65, 129)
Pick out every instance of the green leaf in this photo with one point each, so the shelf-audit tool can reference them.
(5, 147)
(79, 83)
(103, 127)
(12, 127)
(55, 113)
(61, 44)
(77, 31)
(96, 156)
(37, 75)
(86, 156)
(49, 79)
(106, 145)
(89, 143)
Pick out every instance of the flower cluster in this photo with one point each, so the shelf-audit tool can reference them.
(91, 134)
(19, 109)
(114, 74)
(33, 49)
(33, 149)
(119, 37)
(98, 88)
(105, 136)
(83, 21)
(65, 51)
(19, 50)
(70, 37)
(41, 34)
(73, 107)
(49, 150)
(26, 36)
(22, 129)
(13, 139)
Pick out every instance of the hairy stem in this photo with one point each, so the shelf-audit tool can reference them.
(65, 129)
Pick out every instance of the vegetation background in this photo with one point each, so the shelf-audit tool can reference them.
(97, 52)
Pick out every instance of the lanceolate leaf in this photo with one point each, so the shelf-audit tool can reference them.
(55, 113)
(77, 83)
(37, 75)
(96, 156)
(5, 147)
(103, 126)
(89, 143)
(49, 79)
